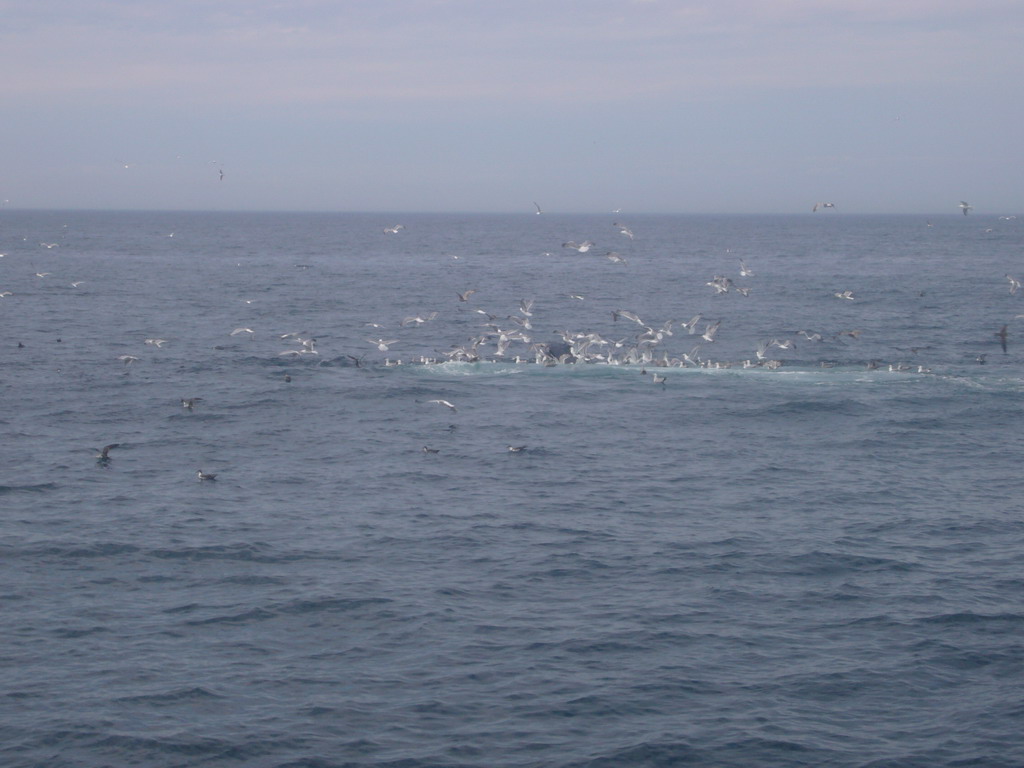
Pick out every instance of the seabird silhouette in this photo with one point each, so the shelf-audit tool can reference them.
(103, 455)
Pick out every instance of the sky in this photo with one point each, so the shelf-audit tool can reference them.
(688, 106)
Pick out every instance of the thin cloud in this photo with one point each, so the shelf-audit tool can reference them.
(317, 52)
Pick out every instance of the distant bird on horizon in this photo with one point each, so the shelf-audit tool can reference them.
(394, 230)
(822, 205)
(539, 211)
(965, 207)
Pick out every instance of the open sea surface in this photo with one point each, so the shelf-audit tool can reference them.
(813, 560)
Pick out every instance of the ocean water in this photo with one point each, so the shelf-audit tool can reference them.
(816, 562)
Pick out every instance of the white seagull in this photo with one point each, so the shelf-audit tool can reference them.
(382, 344)
(583, 247)
(446, 404)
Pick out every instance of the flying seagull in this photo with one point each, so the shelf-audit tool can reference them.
(446, 404)
(1001, 333)
(965, 207)
(382, 344)
(583, 247)
(539, 211)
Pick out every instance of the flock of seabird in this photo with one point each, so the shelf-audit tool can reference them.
(509, 337)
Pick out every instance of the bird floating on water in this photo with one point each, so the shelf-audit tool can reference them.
(205, 475)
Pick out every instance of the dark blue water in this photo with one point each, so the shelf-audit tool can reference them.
(813, 563)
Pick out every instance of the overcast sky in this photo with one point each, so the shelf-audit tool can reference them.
(753, 106)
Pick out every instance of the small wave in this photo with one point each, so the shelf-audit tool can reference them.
(968, 617)
(101, 549)
(38, 488)
(819, 563)
(245, 617)
(75, 633)
(330, 604)
(176, 696)
(255, 552)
